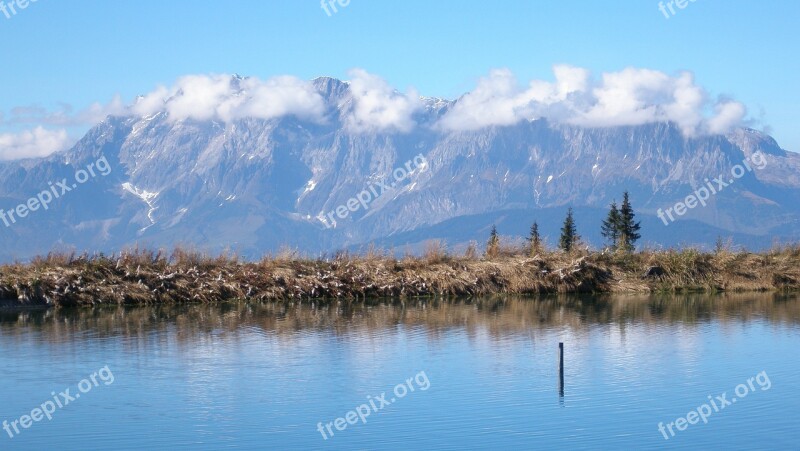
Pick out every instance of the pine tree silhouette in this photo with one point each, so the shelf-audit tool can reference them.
(628, 227)
(569, 234)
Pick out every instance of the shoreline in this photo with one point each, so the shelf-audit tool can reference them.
(145, 277)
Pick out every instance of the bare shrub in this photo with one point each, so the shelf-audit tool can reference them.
(471, 252)
(435, 252)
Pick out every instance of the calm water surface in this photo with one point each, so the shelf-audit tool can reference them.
(262, 376)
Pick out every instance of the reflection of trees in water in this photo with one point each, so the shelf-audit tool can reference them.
(497, 315)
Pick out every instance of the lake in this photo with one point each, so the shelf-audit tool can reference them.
(435, 374)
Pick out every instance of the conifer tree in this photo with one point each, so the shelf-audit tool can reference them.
(535, 240)
(611, 226)
(569, 234)
(628, 227)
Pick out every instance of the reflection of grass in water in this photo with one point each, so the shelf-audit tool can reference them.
(148, 277)
(498, 315)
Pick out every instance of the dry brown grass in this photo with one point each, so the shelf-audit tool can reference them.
(185, 275)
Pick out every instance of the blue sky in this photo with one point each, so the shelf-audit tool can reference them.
(80, 52)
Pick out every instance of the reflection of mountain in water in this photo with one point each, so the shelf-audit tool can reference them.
(496, 316)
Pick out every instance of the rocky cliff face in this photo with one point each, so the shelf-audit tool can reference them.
(254, 185)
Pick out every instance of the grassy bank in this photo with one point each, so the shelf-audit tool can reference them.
(145, 277)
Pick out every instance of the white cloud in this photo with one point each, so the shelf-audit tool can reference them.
(378, 107)
(282, 96)
(152, 102)
(35, 143)
(496, 100)
(729, 115)
(628, 97)
(227, 98)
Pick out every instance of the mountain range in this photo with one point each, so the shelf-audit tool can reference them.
(255, 185)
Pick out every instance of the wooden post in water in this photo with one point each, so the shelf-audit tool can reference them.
(561, 369)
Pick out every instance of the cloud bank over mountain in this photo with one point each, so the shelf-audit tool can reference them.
(631, 96)
(378, 107)
(628, 97)
(227, 99)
